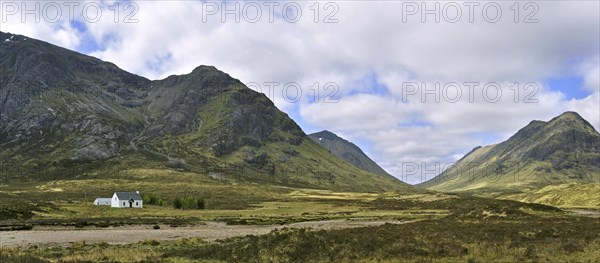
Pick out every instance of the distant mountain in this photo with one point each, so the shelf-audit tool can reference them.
(347, 151)
(67, 114)
(563, 150)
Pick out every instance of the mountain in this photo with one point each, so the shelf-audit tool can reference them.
(347, 151)
(563, 150)
(65, 114)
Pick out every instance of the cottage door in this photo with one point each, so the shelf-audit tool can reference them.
(131, 202)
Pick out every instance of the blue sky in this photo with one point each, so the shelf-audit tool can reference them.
(571, 86)
(369, 52)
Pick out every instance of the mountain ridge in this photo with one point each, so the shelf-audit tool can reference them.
(347, 151)
(64, 110)
(563, 149)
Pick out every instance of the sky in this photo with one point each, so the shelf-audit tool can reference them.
(409, 82)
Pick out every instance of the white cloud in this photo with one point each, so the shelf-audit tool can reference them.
(361, 112)
(589, 70)
(369, 41)
(588, 108)
(60, 33)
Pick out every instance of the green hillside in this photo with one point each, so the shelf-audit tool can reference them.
(565, 149)
(66, 115)
(347, 151)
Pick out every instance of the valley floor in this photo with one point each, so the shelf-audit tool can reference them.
(209, 231)
(243, 222)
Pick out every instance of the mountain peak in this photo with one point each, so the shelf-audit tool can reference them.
(206, 72)
(205, 121)
(571, 120)
(205, 68)
(570, 115)
(325, 134)
(347, 151)
(566, 148)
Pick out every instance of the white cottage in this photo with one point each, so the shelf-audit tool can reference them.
(126, 199)
(102, 201)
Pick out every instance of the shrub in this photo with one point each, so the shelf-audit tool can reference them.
(177, 203)
(152, 200)
(200, 204)
(189, 203)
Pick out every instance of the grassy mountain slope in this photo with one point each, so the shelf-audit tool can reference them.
(563, 150)
(347, 151)
(65, 115)
(586, 195)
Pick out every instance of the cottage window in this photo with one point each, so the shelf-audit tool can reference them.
(136, 203)
(123, 203)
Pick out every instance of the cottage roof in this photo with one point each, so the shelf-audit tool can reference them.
(128, 195)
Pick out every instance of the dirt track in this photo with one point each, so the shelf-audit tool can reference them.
(130, 234)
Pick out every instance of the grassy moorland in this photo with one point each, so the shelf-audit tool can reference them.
(492, 240)
(512, 232)
(69, 202)
(568, 195)
(438, 227)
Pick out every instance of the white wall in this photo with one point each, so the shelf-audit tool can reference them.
(101, 202)
(115, 202)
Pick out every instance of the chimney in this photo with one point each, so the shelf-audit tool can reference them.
(137, 192)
